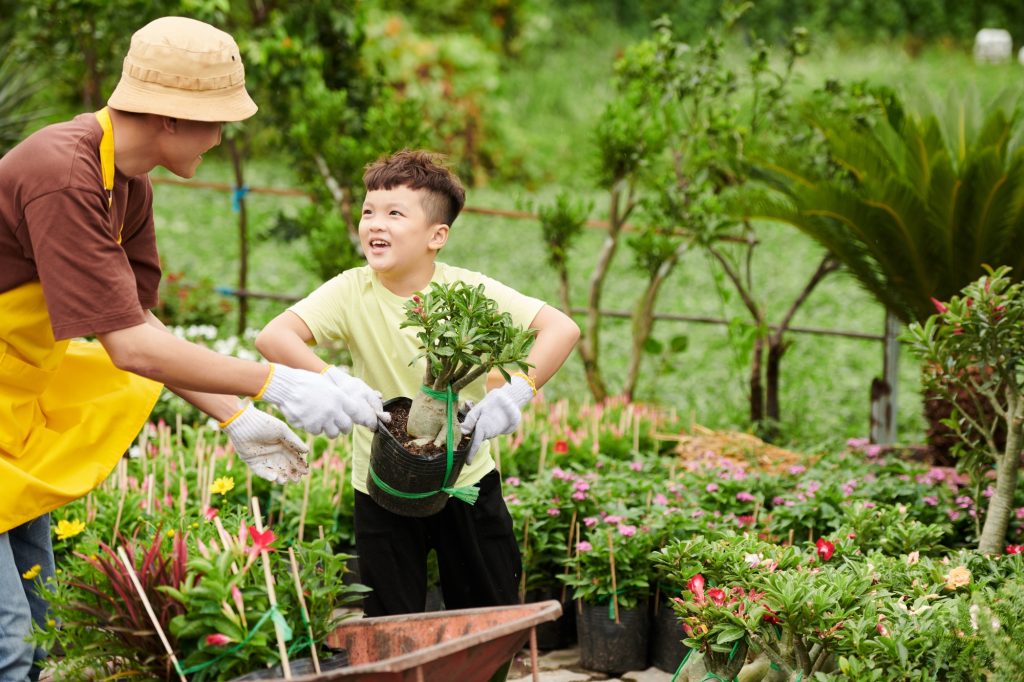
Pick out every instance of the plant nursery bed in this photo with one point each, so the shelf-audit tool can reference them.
(703, 445)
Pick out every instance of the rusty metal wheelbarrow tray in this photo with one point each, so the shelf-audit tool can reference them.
(465, 645)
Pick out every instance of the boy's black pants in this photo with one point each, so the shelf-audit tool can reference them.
(477, 553)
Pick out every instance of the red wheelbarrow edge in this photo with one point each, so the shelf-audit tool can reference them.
(534, 613)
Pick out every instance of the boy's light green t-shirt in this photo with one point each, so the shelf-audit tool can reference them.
(356, 308)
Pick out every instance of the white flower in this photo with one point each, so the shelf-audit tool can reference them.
(753, 560)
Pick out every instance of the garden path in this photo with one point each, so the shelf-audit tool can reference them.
(563, 665)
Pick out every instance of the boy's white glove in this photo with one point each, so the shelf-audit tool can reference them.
(312, 402)
(497, 413)
(358, 388)
(267, 445)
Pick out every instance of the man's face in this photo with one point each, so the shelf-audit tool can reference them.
(184, 148)
(396, 234)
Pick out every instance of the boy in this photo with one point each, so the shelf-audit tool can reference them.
(78, 258)
(411, 202)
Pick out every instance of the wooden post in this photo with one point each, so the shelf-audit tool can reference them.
(149, 609)
(615, 588)
(883, 391)
(271, 594)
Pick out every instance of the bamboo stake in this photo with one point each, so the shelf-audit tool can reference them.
(149, 610)
(636, 431)
(177, 429)
(615, 589)
(595, 422)
(305, 506)
(579, 604)
(305, 611)
(568, 552)
(790, 543)
(150, 484)
(120, 510)
(543, 453)
(183, 495)
(271, 594)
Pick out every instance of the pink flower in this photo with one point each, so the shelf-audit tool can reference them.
(584, 546)
(217, 639)
(513, 481)
(590, 521)
(581, 486)
(711, 487)
(717, 595)
(930, 500)
(696, 588)
(636, 466)
(660, 500)
(261, 541)
(824, 548)
(553, 512)
(856, 442)
(211, 513)
(939, 305)
(1015, 549)
(872, 451)
(611, 518)
(627, 530)
(579, 496)
(744, 496)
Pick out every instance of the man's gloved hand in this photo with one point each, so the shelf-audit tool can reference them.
(312, 402)
(497, 413)
(267, 445)
(358, 388)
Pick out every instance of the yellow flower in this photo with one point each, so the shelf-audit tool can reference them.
(50, 622)
(170, 533)
(222, 485)
(69, 529)
(31, 573)
(958, 577)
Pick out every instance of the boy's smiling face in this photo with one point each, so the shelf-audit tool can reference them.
(399, 238)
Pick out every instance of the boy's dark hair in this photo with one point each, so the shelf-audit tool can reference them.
(416, 169)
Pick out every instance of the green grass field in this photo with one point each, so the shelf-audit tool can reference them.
(825, 379)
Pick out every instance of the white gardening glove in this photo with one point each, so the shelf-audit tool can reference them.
(312, 402)
(358, 388)
(497, 413)
(267, 445)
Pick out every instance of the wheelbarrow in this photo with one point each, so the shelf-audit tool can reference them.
(464, 645)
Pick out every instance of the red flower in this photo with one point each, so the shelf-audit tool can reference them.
(217, 639)
(696, 587)
(717, 595)
(939, 305)
(825, 549)
(211, 513)
(1015, 549)
(261, 541)
(561, 447)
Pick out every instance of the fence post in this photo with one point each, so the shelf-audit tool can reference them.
(883, 391)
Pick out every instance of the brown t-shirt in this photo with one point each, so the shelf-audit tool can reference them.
(56, 227)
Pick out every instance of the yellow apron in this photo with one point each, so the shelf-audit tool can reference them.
(67, 414)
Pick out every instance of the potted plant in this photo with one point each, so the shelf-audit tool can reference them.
(462, 337)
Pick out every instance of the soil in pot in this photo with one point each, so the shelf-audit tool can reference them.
(399, 411)
(610, 647)
(300, 666)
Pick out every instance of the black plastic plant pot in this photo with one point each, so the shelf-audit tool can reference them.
(410, 473)
(610, 647)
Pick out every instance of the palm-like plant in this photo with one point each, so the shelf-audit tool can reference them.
(920, 204)
(18, 87)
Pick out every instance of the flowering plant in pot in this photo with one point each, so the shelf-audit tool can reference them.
(462, 337)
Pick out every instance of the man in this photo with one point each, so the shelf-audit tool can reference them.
(78, 258)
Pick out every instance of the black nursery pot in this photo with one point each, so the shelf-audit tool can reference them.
(410, 473)
(610, 647)
(667, 648)
(561, 632)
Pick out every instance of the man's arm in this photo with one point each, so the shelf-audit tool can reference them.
(218, 405)
(151, 351)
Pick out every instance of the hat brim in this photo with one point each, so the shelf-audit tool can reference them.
(225, 105)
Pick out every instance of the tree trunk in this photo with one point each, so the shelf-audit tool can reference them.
(643, 318)
(776, 347)
(428, 418)
(342, 200)
(243, 235)
(589, 346)
(1000, 507)
(756, 384)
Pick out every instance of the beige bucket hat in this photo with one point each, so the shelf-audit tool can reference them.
(183, 68)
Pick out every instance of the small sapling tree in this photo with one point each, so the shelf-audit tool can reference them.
(462, 336)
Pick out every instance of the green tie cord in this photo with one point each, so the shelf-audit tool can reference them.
(467, 494)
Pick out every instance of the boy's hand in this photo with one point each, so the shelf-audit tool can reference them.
(497, 413)
(267, 445)
(359, 389)
(312, 402)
